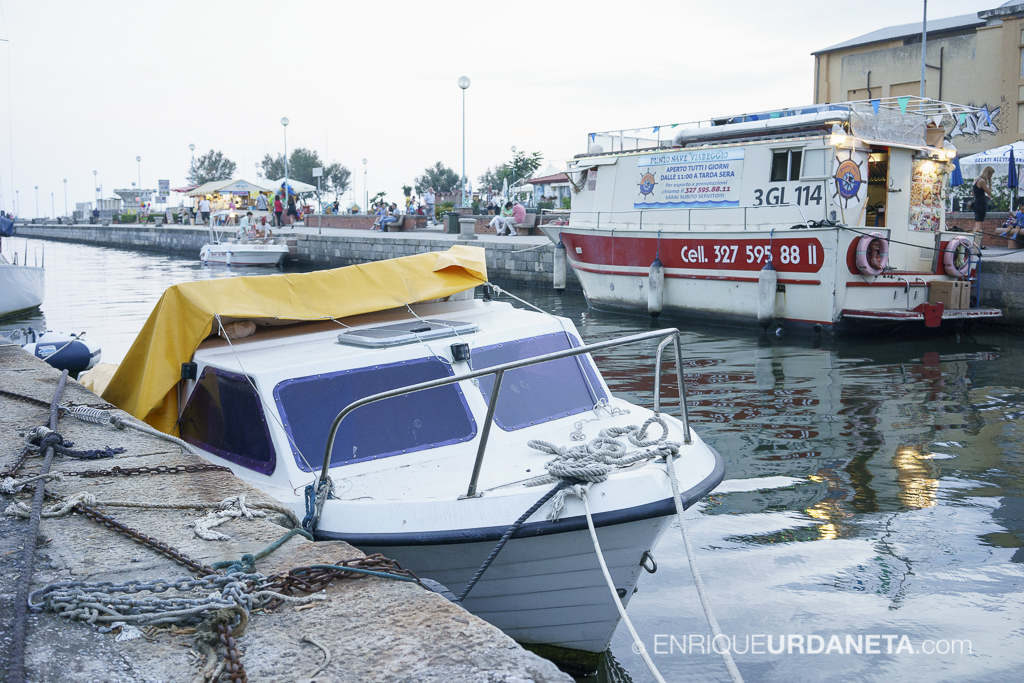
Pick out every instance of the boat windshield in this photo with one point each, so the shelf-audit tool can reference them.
(538, 393)
(411, 422)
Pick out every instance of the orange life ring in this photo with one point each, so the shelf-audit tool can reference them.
(950, 258)
(863, 265)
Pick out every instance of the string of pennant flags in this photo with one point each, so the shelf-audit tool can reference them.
(903, 102)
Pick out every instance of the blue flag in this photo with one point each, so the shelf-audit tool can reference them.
(957, 177)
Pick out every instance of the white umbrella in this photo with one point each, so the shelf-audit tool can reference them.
(504, 188)
(998, 158)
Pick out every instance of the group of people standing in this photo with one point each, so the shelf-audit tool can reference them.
(277, 205)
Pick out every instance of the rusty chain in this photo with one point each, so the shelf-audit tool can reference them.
(148, 541)
(310, 580)
(17, 464)
(233, 667)
(159, 469)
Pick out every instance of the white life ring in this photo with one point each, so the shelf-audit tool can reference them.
(949, 258)
(862, 254)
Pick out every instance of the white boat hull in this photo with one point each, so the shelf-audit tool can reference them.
(243, 254)
(21, 289)
(546, 589)
(713, 276)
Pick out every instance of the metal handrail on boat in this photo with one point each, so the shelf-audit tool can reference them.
(671, 336)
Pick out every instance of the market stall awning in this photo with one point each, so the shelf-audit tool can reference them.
(227, 187)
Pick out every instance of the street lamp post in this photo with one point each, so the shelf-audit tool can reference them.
(138, 160)
(17, 203)
(53, 207)
(366, 195)
(95, 190)
(65, 197)
(37, 201)
(284, 123)
(513, 189)
(192, 168)
(464, 84)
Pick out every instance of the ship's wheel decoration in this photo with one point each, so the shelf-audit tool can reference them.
(646, 184)
(849, 183)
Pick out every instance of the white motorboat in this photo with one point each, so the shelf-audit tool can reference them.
(434, 470)
(254, 252)
(21, 286)
(243, 251)
(828, 218)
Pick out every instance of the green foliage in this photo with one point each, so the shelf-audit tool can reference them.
(522, 166)
(445, 207)
(406, 190)
(301, 163)
(999, 201)
(476, 207)
(545, 205)
(566, 202)
(126, 218)
(443, 179)
(211, 166)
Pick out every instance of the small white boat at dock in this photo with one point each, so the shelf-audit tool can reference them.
(420, 410)
(244, 251)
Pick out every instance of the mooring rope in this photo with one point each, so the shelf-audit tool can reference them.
(734, 672)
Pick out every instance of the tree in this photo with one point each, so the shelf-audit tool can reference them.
(301, 163)
(443, 179)
(336, 177)
(522, 167)
(209, 167)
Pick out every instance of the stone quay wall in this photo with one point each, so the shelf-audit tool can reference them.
(509, 261)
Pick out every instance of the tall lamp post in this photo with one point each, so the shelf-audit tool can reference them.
(366, 195)
(17, 203)
(513, 188)
(464, 84)
(95, 190)
(285, 122)
(138, 160)
(192, 150)
(65, 197)
(53, 206)
(37, 201)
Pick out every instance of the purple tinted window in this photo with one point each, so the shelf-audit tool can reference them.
(224, 416)
(412, 422)
(541, 392)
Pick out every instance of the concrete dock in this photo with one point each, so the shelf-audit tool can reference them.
(374, 629)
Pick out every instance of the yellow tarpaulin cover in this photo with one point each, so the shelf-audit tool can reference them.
(144, 384)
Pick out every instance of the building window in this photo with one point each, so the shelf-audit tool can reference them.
(1022, 62)
(785, 165)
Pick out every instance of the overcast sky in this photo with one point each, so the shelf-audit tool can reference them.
(94, 84)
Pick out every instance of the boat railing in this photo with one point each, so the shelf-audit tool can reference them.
(660, 219)
(667, 336)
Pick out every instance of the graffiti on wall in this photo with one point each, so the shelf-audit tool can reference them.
(980, 122)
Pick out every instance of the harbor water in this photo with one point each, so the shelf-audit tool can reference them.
(871, 523)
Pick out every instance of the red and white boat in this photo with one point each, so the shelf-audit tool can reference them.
(827, 218)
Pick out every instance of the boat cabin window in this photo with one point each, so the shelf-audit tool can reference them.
(785, 165)
(224, 416)
(538, 393)
(411, 422)
(816, 164)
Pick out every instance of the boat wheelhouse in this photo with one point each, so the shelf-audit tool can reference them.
(846, 202)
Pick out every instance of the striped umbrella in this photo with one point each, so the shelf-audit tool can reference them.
(1011, 178)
